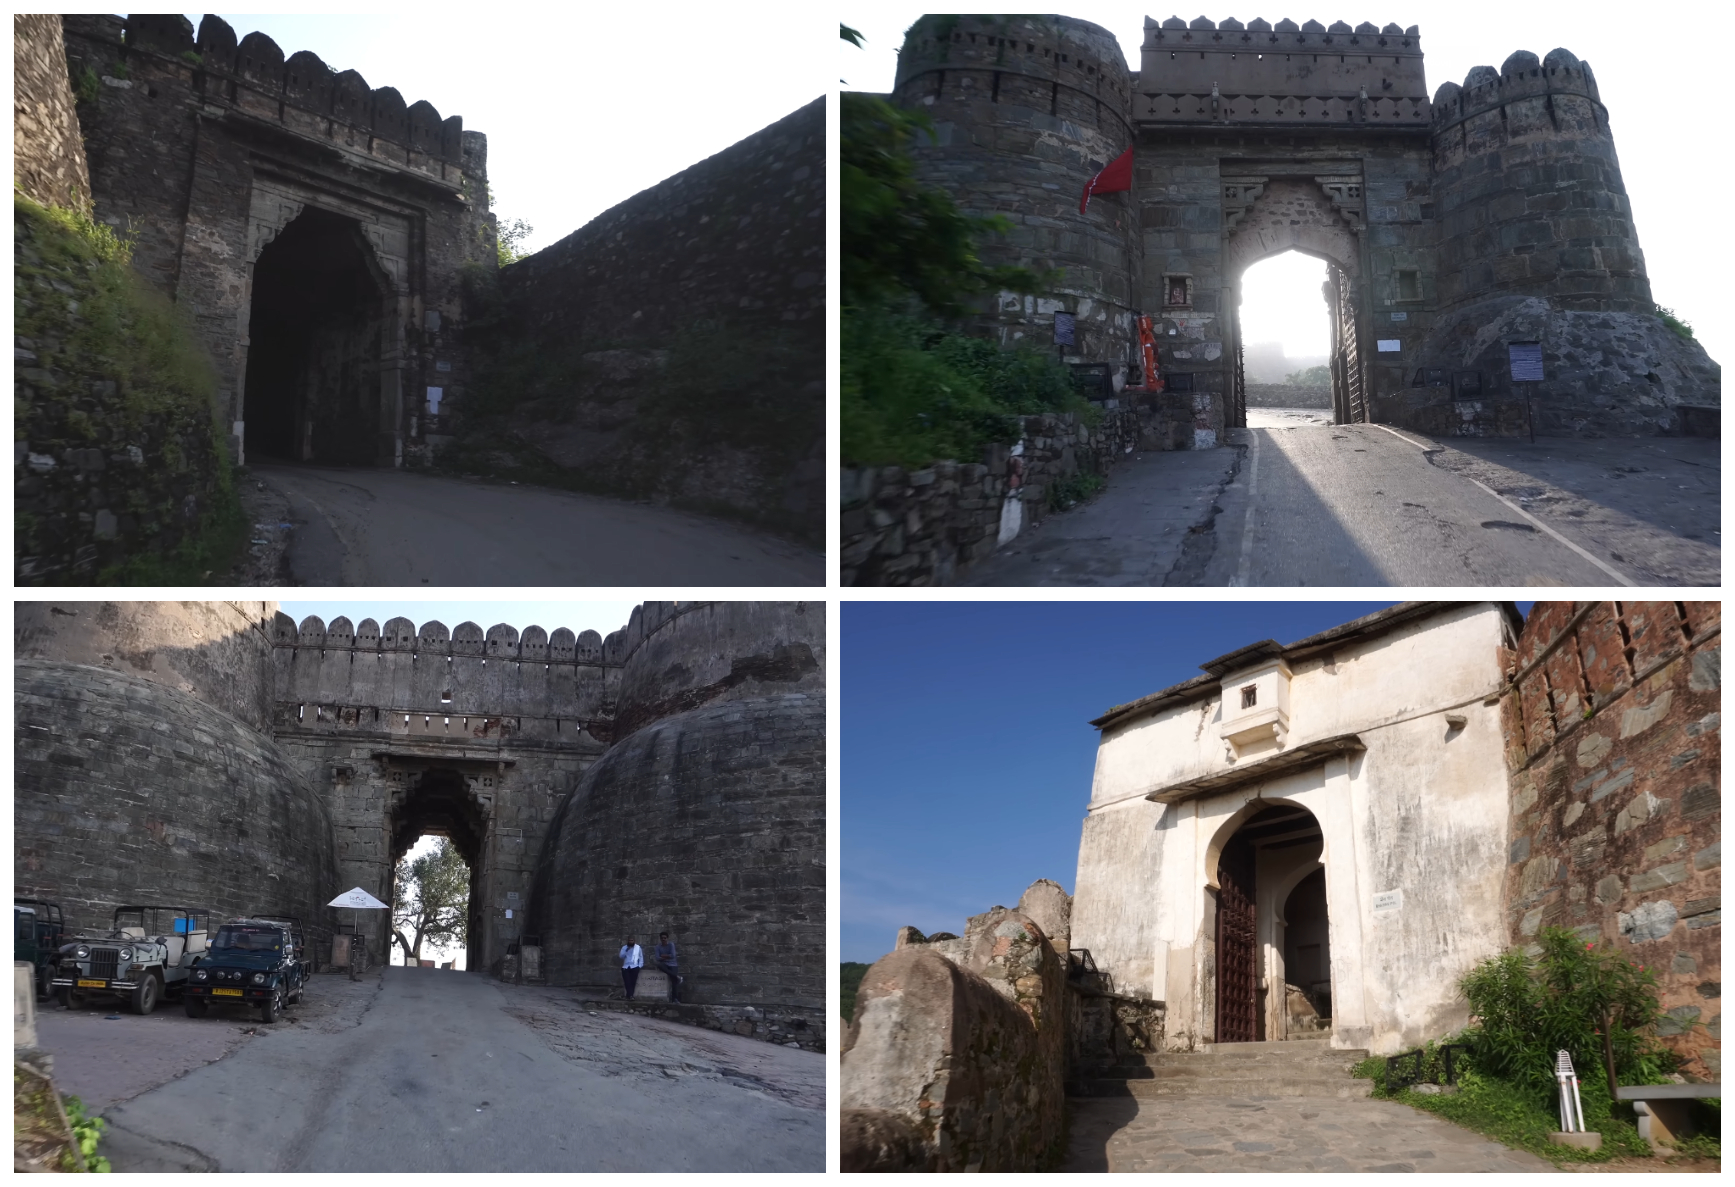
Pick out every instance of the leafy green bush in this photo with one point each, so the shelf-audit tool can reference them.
(1585, 998)
(88, 1132)
(914, 392)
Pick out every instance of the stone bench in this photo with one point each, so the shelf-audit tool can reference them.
(1664, 1109)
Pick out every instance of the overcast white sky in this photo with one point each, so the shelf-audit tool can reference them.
(1661, 73)
(583, 105)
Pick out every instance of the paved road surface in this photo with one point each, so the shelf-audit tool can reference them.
(1133, 534)
(1363, 505)
(390, 527)
(1276, 1134)
(448, 1071)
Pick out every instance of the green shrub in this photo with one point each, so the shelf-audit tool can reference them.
(1681, 327)
(851, 973)
(914, 392)
(1578, 996)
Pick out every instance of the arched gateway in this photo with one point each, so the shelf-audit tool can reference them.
(1493, 214)
(1304, 839)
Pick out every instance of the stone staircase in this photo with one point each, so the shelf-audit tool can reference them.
(1307, 1067)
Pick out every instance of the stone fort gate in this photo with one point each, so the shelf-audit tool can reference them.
(1451, 227)
(459, 733)
(315, 226)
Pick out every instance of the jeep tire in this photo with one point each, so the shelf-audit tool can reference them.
(272, 1006)
(146, 994)
(63, 995)
(195, 1006)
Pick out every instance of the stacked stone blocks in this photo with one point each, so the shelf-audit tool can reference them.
(1614, 737)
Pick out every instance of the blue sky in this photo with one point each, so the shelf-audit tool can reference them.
(966, 746)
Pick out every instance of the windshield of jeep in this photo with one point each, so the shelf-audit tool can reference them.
(248, 939)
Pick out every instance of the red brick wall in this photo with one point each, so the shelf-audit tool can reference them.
(1613, 738)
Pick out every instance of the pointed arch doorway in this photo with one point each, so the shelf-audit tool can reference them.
(1267, 858)
(1320, 215)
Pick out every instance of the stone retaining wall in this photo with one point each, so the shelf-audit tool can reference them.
(924, 527)
(1614, 742)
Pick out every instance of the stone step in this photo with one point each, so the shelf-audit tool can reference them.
(1284, 1047)
(1290, 1086)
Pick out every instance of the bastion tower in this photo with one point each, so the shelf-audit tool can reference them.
(1025, 110)
(1536, 242)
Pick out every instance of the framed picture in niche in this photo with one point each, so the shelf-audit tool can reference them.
(1178, 290)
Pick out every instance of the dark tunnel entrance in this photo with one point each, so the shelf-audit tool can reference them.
(321, 306)
(441, 803)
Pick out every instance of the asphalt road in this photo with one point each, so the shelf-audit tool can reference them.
(389, 527)
(1367, 505)
(1294, 502)
(449, 1071)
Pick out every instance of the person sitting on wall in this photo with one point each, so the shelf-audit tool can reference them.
(632, 960)
(668, 961)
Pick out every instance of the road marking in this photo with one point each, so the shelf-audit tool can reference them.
(1242, 573)
(1609, 569)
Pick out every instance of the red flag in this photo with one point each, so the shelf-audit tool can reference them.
(1118, 175)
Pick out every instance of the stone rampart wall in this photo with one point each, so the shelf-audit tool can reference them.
(1614, 743)
(47, 148)
(740, 236)
(217, 652)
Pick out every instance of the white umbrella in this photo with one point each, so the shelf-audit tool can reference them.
(361, 900)
(357, 898)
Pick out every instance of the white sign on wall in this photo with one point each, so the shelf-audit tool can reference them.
(1388, 900)
(435, 394)
(1390, 345)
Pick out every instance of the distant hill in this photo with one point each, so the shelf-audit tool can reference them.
(852, 973)
(1265, 362)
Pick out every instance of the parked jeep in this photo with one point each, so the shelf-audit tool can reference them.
(38, 931)
(252, 962)
(146, 954)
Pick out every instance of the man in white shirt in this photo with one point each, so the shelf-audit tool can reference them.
(632, 960)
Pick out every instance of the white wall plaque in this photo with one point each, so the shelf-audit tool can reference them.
(1388, 900)
(1390, 345)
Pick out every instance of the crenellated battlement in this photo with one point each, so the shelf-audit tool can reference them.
(1554, 95)
(1286, 74)
(250, 78)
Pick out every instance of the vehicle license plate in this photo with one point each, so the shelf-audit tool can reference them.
(227, 992)
(92, 984)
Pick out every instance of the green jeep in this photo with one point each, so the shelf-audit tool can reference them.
(146, 954)
(38, 931)
(252, 962)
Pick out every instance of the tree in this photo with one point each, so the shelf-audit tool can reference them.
(508, 240)
(900, 238)
(1319, 376)
(432, 902)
